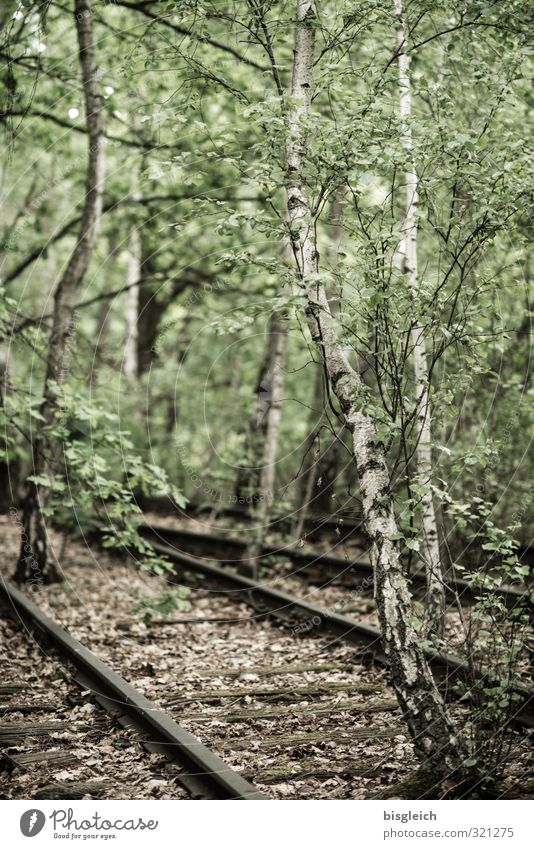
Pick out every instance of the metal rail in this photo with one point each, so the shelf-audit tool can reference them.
(356, 566)
(446, 667)
(205, 775)
(349, 519)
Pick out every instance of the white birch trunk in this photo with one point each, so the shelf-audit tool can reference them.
(133, 278)
(248, 478)
(317, 489)
(435, 599)
(305, 494)
(276, 382)
(433, 732)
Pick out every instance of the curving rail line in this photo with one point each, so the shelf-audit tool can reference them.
(203, 774)
(357, 568)
(447, 668)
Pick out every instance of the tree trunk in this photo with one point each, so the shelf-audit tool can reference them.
(9, 465)
(434, 734)
(312, 454)
(249, 476)
(435, 599)
(272, 411)
(103, 349)
(183, 349)
(34, 563)
(322, 473)
(150, 311)
(133, 278)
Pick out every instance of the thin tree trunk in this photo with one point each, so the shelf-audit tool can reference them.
(249, 475)
(150, 311)
(131, 313)
(9, 465)
(435, 600)
(312, 454)
(434, 734)
(183, 349)
(322, 471)
(273, 415)
(133, 278)
(102, 320)
(34, 564)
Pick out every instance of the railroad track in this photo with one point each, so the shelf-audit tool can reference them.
(289, 716)
(345, 523)
(317, 568)
(303, 617)
(296, 718)
(199, 771)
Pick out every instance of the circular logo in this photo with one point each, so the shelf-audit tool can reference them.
(32, 822)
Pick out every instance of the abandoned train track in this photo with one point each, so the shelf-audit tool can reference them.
(202, 773)
(315, 567)
(304, 617)
(293, 718)
(286, 716)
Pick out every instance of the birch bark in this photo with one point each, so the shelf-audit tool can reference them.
(321, 474)
(34, 563)
(433, 732)
(133, 279)
(249, 475)
(435, 597)
(312, 453)
(276, 382)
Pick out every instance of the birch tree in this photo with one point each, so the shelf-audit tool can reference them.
(435, 598)
(34, 553)
(436, 738)
(249, 474)
(275, 381)
(133, 279)
(312, 457)
(323, 466)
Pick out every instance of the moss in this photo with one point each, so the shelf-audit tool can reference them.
(420, 784)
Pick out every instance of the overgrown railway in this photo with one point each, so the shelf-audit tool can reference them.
(352, 571)
(283, 714)
(198, 770)
(302, 617)
(237, 706)
(334, 548)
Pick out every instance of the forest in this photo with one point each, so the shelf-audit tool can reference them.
(267, 399)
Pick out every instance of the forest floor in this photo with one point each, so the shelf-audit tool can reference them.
(105, 756)
(172, 662)
(346, 597)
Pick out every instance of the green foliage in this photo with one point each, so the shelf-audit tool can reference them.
(169, 601)
(496, 638)
(200, 119)
(94, 487)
